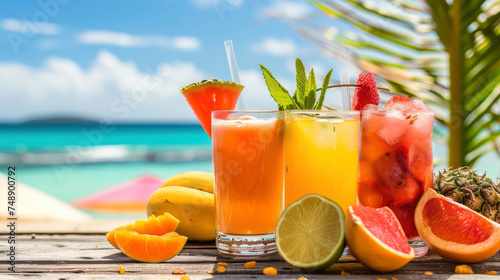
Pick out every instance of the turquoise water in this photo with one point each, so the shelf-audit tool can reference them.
(56, 137)
(69, 161)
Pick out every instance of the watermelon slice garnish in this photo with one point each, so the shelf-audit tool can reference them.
(211, 95)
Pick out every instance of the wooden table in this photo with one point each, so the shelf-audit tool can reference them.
(92, 257)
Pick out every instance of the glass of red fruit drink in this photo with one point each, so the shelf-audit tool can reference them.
(395, 159)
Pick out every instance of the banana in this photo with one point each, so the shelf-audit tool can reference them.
(198, 180)
(194, 209)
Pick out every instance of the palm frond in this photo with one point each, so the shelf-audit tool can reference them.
(441, 51)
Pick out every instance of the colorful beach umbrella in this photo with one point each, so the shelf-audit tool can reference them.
(128, 197)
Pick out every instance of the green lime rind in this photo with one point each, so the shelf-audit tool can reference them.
(310, 234)
(210, 82)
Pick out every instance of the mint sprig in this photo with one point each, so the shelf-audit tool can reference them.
(304, 96)
(278, 92)
(301, 80)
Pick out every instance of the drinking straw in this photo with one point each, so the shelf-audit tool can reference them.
(346, 96)
(233, 68)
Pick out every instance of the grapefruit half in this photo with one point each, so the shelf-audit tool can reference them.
(376, 238)
(454, 231)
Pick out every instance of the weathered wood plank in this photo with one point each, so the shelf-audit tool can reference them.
(81, 248)
(67, 276)
(236, 268)
(51, 256)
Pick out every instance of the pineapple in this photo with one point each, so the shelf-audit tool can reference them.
(475, 191)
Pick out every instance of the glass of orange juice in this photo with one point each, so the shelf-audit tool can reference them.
(248, 155)
(321, 155)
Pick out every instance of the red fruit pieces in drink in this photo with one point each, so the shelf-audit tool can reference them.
(391, 171)
(366, 92)
(406, 193)
(398, 99)
(369, 195)
(405, 215)
(373, 147)
(367, 170)
(420, 162)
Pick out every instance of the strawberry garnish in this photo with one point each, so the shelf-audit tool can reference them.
(395, 99)
(366, 92)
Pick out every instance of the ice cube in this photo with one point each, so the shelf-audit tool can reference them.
(418, 105)
(397, 99)
(400, 106)
(394, 127)
(422, 125)
(372, 107)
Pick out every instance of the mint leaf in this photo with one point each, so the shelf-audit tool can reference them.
(277, 91)
(324, 87)
(311, 83)
(309, 100)
(301, 80)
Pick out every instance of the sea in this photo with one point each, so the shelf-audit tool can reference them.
(69, 161)
(72, 160)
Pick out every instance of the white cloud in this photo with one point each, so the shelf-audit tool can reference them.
(109, 88)
(103, 37)
(29, 27)
(275, 46)
(112, 89)
(289, 9)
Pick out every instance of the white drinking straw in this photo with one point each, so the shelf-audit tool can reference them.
(233, 68)
(346, 96)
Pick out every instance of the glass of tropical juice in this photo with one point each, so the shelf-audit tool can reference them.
(395, 160)
(321, 155)
(248, 155)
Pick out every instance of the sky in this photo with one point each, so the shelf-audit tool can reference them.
(126, 61)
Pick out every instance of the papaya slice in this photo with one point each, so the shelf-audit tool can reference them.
(149, 248)
(153, 226)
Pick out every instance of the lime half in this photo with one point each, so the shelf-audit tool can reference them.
(310, 233)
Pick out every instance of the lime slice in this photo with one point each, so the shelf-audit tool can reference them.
(310, 233)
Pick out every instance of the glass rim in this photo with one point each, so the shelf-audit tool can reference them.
(247, 111)
(348, 113)
(406, 112)
(358, 85)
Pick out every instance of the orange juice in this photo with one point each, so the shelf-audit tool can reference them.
(248, 154)
(321, 155)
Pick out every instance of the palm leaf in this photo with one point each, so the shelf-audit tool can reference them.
(441, 51)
